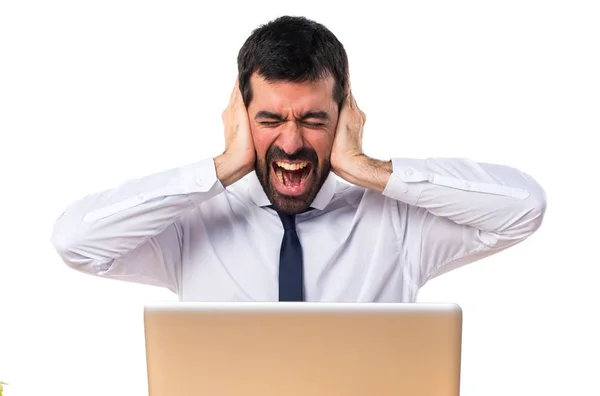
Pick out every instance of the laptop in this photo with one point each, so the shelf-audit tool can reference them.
(303, 349)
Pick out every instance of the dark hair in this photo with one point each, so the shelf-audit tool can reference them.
(293, 49)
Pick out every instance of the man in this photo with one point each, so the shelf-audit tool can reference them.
(267, 220)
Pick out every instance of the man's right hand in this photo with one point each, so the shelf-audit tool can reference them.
(239, 156)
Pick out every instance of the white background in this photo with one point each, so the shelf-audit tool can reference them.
(95, 93)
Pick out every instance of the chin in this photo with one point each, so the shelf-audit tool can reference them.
(291, 186)
(290, 205)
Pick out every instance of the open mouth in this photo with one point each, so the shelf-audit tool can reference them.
(291, 176)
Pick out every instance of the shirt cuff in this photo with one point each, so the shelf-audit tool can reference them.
(407, 180)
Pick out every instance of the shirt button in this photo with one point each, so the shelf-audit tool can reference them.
(409, 172)
(140, 198)
(199, 181)
(468, 186)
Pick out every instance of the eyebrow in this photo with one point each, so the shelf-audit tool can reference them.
(269, 115)
(321, 115)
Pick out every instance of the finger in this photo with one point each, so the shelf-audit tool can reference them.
(236, 88)
(348, 100)
(353, 103)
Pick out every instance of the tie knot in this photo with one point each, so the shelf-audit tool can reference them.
(288, 221)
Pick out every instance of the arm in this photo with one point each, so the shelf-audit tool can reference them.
(132, 232)
(452, 212)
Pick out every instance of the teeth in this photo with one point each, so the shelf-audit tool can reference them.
(292, 167)
(279, 174)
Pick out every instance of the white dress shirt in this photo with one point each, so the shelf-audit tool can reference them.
(182, 230)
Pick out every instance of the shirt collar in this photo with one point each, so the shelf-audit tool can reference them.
(322, 199)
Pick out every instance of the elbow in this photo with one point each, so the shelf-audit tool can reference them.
(70, 248)
(529, 216)
(537, 212)
(65, 245)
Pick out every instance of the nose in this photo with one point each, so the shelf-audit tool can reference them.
(290, 139)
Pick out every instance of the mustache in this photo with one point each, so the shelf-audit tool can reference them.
(276, 153)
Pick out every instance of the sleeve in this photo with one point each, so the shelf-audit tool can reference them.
(452, 212)
(132, 232)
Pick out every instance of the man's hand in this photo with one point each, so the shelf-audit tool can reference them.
(347, 158)
(238, 158)
(347, 145)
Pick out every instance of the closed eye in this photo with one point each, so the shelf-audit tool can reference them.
(270, 123)
(305, 123)
(314, 124)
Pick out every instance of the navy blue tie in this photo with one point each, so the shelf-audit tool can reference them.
(291, 274)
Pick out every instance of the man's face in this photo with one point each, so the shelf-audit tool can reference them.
(293, 126)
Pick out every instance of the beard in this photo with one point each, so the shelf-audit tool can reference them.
(292, 204)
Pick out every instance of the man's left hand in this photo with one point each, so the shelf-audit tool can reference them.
(347, 158)
(347, 144)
